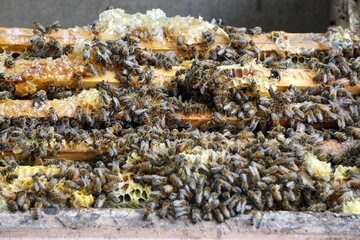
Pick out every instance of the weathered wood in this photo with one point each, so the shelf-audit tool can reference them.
(84, 153)
(127, 223)
(18, 39)
(28, 76)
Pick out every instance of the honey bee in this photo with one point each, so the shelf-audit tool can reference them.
(163, 211)
(208, 38)
(38, 28)
(68, 49)
(53, 116)
(11, 177)
(86, 52)
(9, 62)
(317, 207)
(5, 95)
(195, 215)
(219, 217)
(12, 206)
(244, 181)
(78, 81)
(91, 69)
(176, 181)
(180, 43)
(275, 190)
(40, 98)
(37, 210)
(149, 208)
(52, 27)
(340, 136)
(255, 31)
(97, 185)
(21, 197)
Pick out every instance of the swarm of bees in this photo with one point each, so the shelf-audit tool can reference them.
(149, 154)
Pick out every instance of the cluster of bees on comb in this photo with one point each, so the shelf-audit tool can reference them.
(194, 129)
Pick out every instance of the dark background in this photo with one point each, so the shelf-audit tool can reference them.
(286, 15)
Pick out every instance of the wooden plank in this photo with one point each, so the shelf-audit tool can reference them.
(30, 76)
(17, 108)
(18, 39)
(289, 42)
(127, 223)
(84, 153)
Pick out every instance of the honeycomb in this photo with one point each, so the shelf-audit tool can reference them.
(89, 98)
(24, 182)
(80, 200)
(154, 24)
(199, 152)
(247, 73)
(29, 171)
(130, 193)
(351, 207)
(319, 168)
(340, 172)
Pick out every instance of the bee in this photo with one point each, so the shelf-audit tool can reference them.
(219, 217)
(86, 52)
(299, 113)
(72, 185)
(53, 48)
(244, 181)
(275, 74)
(317, 207)
(11, 177)
(37, 211)
(195, 215)
(353, 78)
(38, 28)
(269, 200)
(52, 27)
(97, 185)
(88, 120)
(208, 38)
(225, 211)
(40, 97)
(320, 76)
(21, 197)
(255, 218)
(176, 181)
(78, 81)
(354, 131)
(12, 206)
(38, 185)
(255, 31)
(163, 211)
(198, 196)
(340, 136)
(275, 190)
(91, 69)
(26, 205)
(4, 95)
(341, 122)
(255, 196)
(254, 47)
(53, 116)
(305, 181)
(168, 65)
(68, 49)
(149, 208)
(9, 62)
(180, 43)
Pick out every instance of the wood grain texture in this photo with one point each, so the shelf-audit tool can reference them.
(18, 39)
(127, 223)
